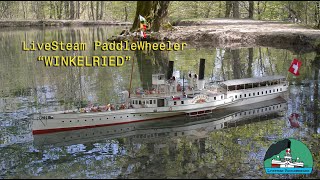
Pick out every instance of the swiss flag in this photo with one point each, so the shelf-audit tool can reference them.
(295, 66)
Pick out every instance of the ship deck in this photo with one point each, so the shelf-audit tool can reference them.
(189, 93)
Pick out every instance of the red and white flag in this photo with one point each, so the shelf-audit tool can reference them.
(295, 67)
(293, 119)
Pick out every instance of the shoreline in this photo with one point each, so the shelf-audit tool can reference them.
(55, 23)
(245, 33)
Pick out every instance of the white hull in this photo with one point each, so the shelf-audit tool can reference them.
(178, 126)
(89, 120)
(58, 121)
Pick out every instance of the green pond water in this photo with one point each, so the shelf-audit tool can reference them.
(181, 147)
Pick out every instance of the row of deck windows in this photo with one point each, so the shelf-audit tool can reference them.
(144, 102)
(253, 94)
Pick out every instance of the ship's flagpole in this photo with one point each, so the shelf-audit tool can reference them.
(131, 77)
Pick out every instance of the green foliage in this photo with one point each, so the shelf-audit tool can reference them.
(37, 10)
(116, 10)
(180, 10)
(306, 12)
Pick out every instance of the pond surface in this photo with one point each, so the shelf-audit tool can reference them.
(221, 145)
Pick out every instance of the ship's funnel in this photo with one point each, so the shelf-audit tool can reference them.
(201, 69)
(201, 74)
(170, 70)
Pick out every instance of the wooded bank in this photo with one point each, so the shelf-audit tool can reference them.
(26, 23)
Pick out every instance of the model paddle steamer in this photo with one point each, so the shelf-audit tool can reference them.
(166, 98)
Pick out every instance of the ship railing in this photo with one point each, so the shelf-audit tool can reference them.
(157, 95)
(103, 108)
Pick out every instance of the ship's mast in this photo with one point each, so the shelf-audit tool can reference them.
(131, 77)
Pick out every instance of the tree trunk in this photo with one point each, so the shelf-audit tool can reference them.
(125, 14)
(251, 9)
(228, 8)
(97, 10)
(208, 10)
(161, 11)
(88, 9)
(39, 10)
(58, 9)
(92, 12)
(250, 57)
(66, 9)
(78, 9)
(235, 9)
(306, 12)
(145, 9)
(36, 9)
(317, 14)
(51, 10)
(101, 9)
(24, 7)
(154, 12)
(72, 11)
(220, 6)
(259, 11)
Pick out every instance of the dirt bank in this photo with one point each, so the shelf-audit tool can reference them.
(26, 23)
(244, 33)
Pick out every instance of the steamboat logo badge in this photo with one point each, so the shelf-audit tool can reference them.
(288, 156)
(200, 99)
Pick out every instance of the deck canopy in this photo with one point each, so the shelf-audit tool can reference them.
(252, 80)
(238, 84)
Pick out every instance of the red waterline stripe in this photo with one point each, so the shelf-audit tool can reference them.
(45, 131)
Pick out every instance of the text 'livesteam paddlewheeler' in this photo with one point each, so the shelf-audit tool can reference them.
(167, 97)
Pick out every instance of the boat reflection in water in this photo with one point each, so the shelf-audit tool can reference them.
(170, 127)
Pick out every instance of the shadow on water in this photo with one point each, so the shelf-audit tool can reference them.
(224, 144)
